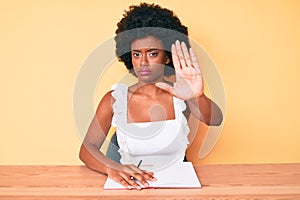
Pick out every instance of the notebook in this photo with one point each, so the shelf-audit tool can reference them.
(179, 175)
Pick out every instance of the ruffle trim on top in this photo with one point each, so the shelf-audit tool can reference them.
(119, 107)
(119, 93)
(180, 106)
(124, 152)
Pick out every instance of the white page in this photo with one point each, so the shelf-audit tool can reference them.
(179, 175)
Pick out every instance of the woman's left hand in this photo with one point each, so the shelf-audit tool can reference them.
(189, 80)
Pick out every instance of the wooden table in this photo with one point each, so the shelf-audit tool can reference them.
(259, 181)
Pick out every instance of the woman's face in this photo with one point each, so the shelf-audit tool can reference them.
(149, 59)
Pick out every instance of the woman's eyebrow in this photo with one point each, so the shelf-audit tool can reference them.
(148, 50)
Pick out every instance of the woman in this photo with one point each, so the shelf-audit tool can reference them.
(151, 115)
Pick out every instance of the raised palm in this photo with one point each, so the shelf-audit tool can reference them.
(189, 80)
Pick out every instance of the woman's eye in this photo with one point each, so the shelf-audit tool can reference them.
(135, 54)
(153, 54)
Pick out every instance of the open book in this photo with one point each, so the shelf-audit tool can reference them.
(179, 175)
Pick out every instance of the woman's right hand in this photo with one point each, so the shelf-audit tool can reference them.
(127, 175)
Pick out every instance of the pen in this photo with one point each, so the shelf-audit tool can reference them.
(131, 177)
(139, 164)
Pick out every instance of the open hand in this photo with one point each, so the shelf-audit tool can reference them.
(189, 80)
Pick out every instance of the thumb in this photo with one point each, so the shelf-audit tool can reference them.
(166, 87)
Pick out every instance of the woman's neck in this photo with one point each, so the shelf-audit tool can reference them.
(146, 88)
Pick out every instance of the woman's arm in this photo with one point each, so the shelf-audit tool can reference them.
(96, 160)
(190, 85)
(205, 110)
(96, 134)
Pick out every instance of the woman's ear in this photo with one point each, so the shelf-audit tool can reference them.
(167, 60)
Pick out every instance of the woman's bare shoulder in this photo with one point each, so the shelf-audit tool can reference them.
(106, 101)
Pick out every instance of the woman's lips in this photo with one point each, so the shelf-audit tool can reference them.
(144, 72)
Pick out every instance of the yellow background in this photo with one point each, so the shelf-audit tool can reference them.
(254, 44)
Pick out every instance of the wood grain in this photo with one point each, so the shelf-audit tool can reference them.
(247, 181)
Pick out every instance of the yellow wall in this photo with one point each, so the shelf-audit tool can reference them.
(255, 45)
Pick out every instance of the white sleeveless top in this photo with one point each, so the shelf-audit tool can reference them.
(158, 144)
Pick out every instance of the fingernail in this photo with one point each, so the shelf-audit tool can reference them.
(129, 187)
(147, 184)
(154, 179)
(138, 187)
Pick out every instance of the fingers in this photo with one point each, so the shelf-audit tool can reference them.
(186, 55)
(141, 178)
(141, 175)
(127, 182)
(194, 60)
(131, 177)
(149, 176)
(184, 58)
(180, 54)
(175, 58)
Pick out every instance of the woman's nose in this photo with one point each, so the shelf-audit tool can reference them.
(144, 60)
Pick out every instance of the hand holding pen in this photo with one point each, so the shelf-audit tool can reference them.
(129, 175)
